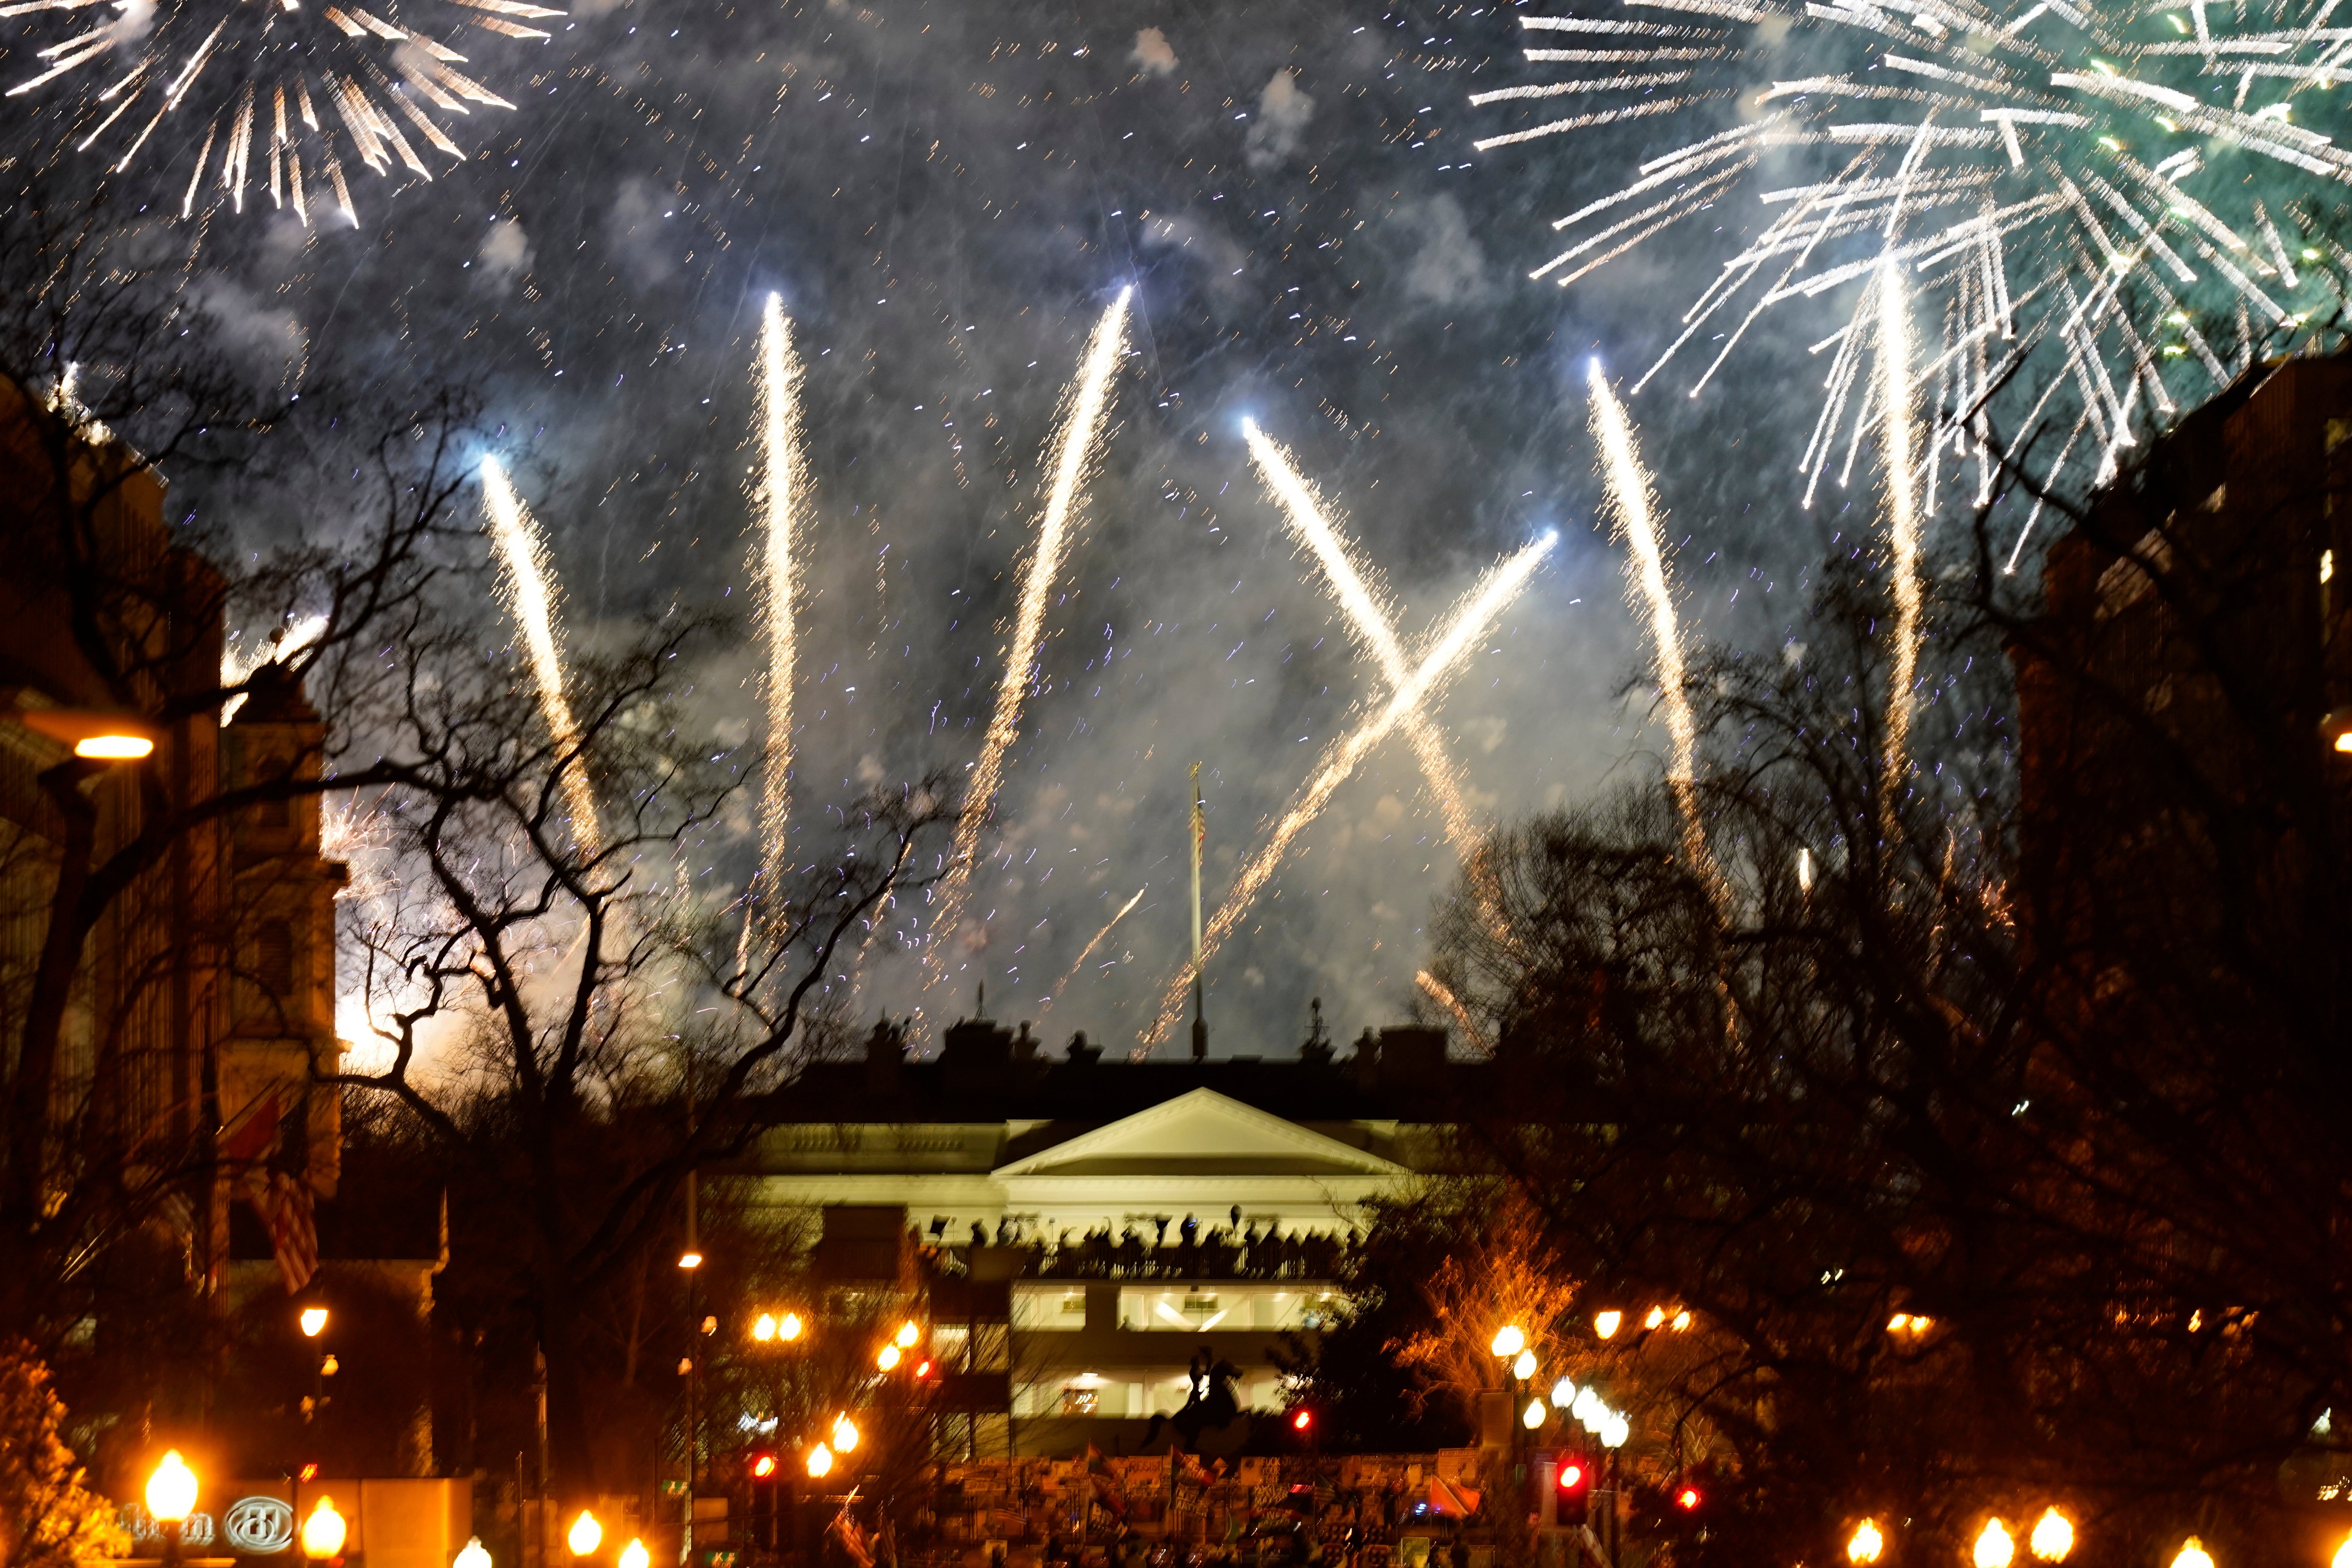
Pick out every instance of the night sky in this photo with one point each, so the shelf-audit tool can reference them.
(946, 195)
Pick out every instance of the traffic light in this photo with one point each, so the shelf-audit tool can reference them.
(767, 1482)
(1687, 1498)
(1302, 1421)
(1574, 1482)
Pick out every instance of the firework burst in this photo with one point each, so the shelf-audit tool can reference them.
(272, 95)
(2071, 187)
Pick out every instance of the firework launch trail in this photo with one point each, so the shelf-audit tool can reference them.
(782, 498)
(522, 552)
(1633, 505)
(1373, 614)
(1495, 593)
(1078, 444)
(1902, 533)
(1088, 951)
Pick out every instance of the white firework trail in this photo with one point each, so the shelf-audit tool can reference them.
(1369, 607)
(1493, 595)
(1633, 505)
(1088, 951)
(1902, 533)
(782, 509)
(228, 69)
(1077, 442)
(2033, 171)
(531, 597)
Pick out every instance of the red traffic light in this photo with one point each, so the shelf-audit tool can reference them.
(1572, 1475)
(1302, 1420)
(762, 1466)
(309, 1472)
(1687, 1499)
(924, 1370)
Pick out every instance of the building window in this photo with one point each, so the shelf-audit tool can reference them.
(1048, 1307)
(1079, 1401)
(273, 958)
(1227, 1307)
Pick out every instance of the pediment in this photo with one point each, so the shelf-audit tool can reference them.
(1202, 1132)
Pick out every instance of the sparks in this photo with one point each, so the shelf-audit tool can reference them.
(522, 552)
(1902, 533)
(1488, 600)
(1369, 609)
(1999, 166)
(782, 498)
(1633, 506)
(1077, 442)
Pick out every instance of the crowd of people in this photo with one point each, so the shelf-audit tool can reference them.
(1240, 1250)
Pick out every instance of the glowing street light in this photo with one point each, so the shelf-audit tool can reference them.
(314, 1321)
(2192, 1554)
(764, 1329)
(324, 1531)
(171, 1498)
(172, 1490)
(690, 1259)
(635, 1555)
(1534, 1418)
(1508, 1340)
(1605, 1323)
(474, 1555)
(1866, 1542)
(907, 1335)
(2053, 1537)
(1994, 1546)
(1563, 1393)
(887, 1357)
(1525, 1367)
(585, 1534)
(819, 1461)
(2343, 1558)
(789, 1328)
(845, 1435)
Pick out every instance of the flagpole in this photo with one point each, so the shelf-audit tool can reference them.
(1200, 832)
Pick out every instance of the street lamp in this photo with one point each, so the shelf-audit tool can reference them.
(585, 1534)
(1534, 1418)
(324, 1531)
(171, 1498)
(1994, 1546)
(907, 1335)
(2053, 1537)
(887, 1357)
(1508, 1340)
(2343, 1558)
(844, 1438)
(474, 1555)
(635, 1555)
(819, 1461)
(1866, 1544)
(2192, 1554)
(1525, 1367)
(790, 1327)
(314, 1321)
(1605, 1323)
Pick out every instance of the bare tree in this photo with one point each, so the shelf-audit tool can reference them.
(576, 1022)
(115, 380)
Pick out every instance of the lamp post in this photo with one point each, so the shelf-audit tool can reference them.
(313, 1321)
(171, 1498)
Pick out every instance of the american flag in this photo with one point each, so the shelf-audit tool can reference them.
(281, 1199)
